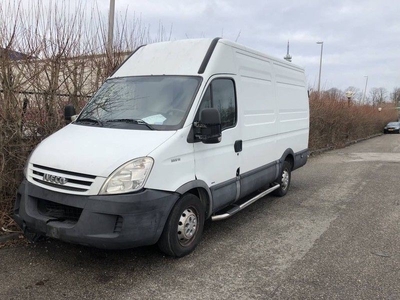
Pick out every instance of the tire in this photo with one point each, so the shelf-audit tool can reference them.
(284, 180)
(188, 213)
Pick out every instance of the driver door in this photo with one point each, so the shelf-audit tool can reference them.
(218, 164)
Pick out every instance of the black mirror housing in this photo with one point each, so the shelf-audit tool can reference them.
(69, 111)
(210, 126)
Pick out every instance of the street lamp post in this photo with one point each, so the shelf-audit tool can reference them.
(111, 26)
(349, 96)
(365, 89)
(320, 65)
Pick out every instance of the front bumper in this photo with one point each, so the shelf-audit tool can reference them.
(111, 222)
(391, 130)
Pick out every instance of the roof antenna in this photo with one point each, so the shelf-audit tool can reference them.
(288, 57)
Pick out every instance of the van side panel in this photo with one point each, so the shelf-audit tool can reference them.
(293, 111)
(257, 110)
(273, 115)
(258, 118)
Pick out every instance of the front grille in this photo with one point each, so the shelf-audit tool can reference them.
(76, 182)
(59, 211)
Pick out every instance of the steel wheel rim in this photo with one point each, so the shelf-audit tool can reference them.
(187, 226)
(285, 179)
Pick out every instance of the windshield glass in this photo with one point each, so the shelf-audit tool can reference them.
(393, 124)
(146, 103)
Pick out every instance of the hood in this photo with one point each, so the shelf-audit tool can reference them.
(95, 151)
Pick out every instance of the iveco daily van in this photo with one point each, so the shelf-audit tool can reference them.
(183, 131)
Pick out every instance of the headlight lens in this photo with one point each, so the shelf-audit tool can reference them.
(130, 177)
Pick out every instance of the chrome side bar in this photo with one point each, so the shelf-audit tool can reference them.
(238, 208)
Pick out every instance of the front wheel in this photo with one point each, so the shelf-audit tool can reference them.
(284, 180)
(184, 227)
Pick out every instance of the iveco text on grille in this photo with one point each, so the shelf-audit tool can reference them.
(54, 179)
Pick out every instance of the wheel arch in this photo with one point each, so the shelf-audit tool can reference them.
(288, 155)
(201, 190)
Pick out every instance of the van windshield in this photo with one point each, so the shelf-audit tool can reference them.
(144, 103)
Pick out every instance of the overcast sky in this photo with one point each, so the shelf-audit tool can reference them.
(361, 38)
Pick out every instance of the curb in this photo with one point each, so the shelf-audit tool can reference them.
(7, 237)
(319, 151)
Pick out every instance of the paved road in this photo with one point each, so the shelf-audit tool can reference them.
(334, 236)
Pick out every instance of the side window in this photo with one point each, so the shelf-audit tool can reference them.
(206, 101)
(220, 94)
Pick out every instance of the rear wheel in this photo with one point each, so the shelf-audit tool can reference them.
(284, 180)
(184, 227)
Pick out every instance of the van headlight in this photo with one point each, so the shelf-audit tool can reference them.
(130, 177)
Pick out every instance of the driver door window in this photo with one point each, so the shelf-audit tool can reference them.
(220, 94)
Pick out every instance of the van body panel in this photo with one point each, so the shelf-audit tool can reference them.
(257, 178)
(75, 147)
(183, 58)
(218, 166)
(271, 125)
(174, 163)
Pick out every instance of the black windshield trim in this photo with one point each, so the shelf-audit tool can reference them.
(207, 58)
(90, 120)
(134, 121)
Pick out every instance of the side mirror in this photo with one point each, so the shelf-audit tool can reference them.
(209, 127)
(69, 112)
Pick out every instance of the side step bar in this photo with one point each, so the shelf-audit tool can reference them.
(238, 208)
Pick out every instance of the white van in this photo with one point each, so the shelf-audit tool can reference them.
(183, 131)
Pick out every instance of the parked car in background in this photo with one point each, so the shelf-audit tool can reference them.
(392, 127)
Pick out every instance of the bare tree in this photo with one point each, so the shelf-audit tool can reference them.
(334, 93)
(378, 95)
(395, 96)
(50, 55)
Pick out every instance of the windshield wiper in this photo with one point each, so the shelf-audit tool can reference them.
(134, 121)
(89, 120)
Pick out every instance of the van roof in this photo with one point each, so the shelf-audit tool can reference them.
(182, 57)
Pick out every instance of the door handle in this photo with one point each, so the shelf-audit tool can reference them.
(238, 146)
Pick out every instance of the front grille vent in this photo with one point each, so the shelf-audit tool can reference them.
(63, 180)
(118, 225)
(58, 211)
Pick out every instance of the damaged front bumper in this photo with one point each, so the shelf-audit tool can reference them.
(111, 222)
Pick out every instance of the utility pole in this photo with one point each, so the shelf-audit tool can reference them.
(320, 66)
(365, 89)
(111, 27)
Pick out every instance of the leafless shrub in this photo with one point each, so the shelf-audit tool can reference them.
(50, 56)
(334, 123)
